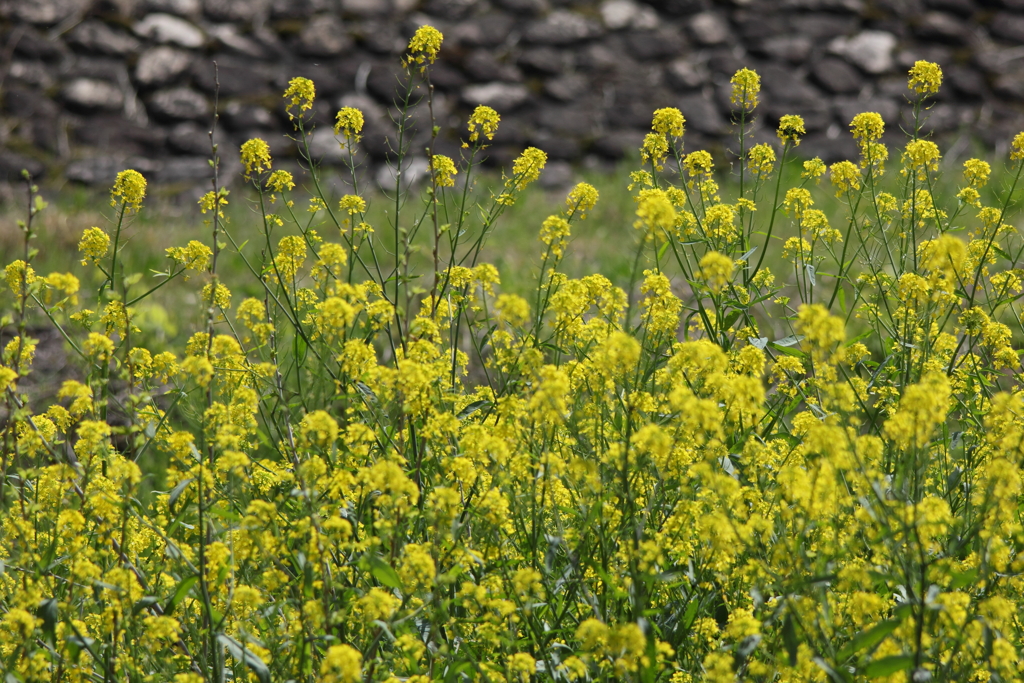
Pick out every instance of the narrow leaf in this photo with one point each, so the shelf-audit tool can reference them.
(867, 639)
(246, 656)
(887, 666)
(179, 594)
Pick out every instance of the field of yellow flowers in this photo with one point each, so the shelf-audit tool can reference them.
(379, 474)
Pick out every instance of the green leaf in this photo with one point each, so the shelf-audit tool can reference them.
(48, 613)
(383, 572)
(179, 594)
(961, 579)
(789, 638)
(867, 639)
(888, 665)
(246, 656)
(472, 408)
(176, 493)
(144, 603)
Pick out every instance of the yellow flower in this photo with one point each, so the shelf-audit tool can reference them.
(746, 85)
(280, 181)
(255, 156)
(791, 127)
(444, 170)
(483, 120)
(522, 666)
(699, 163)
(342, 664)
(655, 213)
(925, 77)
(820, 329)
(976, 172)
(921, 156)
(352, 204)
(302, 93)
(94, 245)
(318, 429)
(424, 45)
(581, 199)
(554, 233)
(526, 168)
(761, 159)
(654, 150)
(668, 122)
(194, 256)
(716, 270)
(845, 177)
(813, 168)
(129, 188)
(1017, 147)
(349, 122)
(867, 127)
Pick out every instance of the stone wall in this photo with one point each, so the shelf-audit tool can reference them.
(88, 86)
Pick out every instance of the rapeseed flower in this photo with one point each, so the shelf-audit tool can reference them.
(255, 155)
(925, 77)
(424, 46)
(301, 92)
(483, 120)
(746, 85)
(129, 189)
(349, 122)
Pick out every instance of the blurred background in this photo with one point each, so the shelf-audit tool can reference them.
(89, 87)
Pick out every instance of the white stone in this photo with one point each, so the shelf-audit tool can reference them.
(413, 171)
(500, 96)
(93, 93)
(619, 14)
(184, 8)
(161, 65)
(709, 28)
(165, 28)
(872, 51)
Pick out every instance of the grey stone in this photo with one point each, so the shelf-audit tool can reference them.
(787, 87)
(598, 57)
(622, 14)
(236, 77)
(412, 173)
(869, 50)
(618, 143)
(966, 81)
(701, 115)
(558, 147)
(556, 175)
(325, 147)
(95, 36)
(446, 77)
(683, 74)
(945, 117)
(103, 170)
(619, 14)
(189, 138)
(178, 104)
(500, 96)
(487, 31)
(1010, 86)
(566, 88)
(963, 8)
(12, 164)
(365, 9)
(112, 133)
(824, 26)
(679, 8)
(850, 6)
(1008, 26)
(546, 60)
(228, 35)
(572, 120)
(92, 94)
(709, 28)
(381, 37)
(526, 7)
(43, 12)
(324, 36)
(235, 10)
(35, 45)
(562, 27)
(836, 76)
(787, 48)
(191, 169)
(240, 116)
(655, 45)
(32, 73)
(452, 10)
(997, 60)
(167, 28)
(942, 27)
(483, 65)
(848, 107)
(182, 8)
(161, 65)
